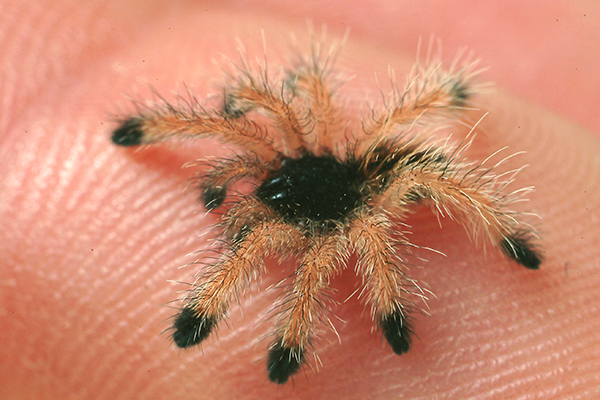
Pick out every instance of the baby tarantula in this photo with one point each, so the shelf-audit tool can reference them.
(318, 198)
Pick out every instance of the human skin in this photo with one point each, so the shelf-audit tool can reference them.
(92, 235)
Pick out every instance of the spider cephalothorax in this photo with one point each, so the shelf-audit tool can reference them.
(320, 197)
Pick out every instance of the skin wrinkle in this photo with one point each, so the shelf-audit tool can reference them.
(541, 336)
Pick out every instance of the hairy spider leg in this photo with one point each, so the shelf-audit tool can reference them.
(384, 281)
(192, 121)
(226, 171)
(248, 93)
(312, 83)
(429, 93)
(304, 306)
(450, 190)
(223, 282)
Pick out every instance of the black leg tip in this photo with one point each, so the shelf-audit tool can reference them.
(283, 362)
(396, 331)
(231, 108)
(213, 197)
(519, 248)
(461, 93)
(129, 133)
(191, 329)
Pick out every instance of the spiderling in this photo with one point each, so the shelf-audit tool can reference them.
(320, 196)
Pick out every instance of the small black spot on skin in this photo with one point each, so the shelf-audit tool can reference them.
(129, 133)
(191, 329)
(520, 249)
(396, 331)
(312, 188)
(283, 362)
(213, 197)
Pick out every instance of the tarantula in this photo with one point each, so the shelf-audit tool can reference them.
(320, 196)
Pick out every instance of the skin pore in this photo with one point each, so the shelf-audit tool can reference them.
(93, 235)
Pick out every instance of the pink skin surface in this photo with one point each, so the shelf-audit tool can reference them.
(91, 235)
